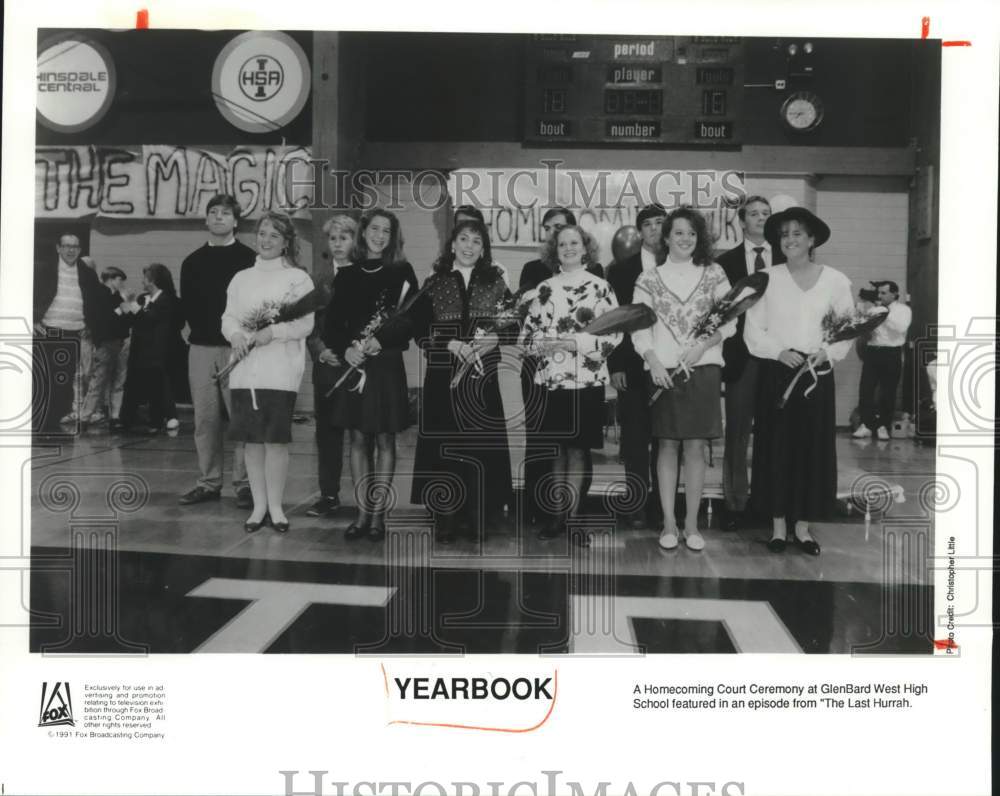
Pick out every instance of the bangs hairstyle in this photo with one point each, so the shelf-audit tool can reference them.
(550, 251)
(225, 200)
(702, 254)
(160, 275)
(393, 252)
(446, 261)
(284, 226)
(560, 211)
(340, 223)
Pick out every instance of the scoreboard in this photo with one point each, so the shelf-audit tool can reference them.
(632, 89)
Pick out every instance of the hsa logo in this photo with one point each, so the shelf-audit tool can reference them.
(57, 706)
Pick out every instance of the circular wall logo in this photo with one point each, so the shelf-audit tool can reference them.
(75, 83)
(261, 81)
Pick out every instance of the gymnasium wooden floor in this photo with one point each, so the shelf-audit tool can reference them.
(119, 566)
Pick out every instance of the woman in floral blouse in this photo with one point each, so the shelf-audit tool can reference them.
(571, 365)
(687, 414)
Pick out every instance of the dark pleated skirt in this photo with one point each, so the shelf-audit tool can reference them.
(269, 422)
(383, 405)
(462, 461)
(692, 408)
(794, 471)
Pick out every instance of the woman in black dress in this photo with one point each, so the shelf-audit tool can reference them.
(462, 466)
(153, 327)
(373, 405)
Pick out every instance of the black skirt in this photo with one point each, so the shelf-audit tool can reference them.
(270, 421)
(794, 472)
(383, 405)
(462, 461)
(573, 417)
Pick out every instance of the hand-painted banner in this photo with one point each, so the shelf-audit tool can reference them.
(168, 181)
(513, 201)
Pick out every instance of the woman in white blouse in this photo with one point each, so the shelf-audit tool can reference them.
(688, 412)
(571, 365)
(794, 477)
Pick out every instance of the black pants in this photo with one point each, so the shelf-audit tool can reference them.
(151, 386)
(880, 372)
(329, 438)
(637, 452)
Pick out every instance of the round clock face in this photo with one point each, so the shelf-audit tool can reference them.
(802, 112)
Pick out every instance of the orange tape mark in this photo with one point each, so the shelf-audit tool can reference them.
(925, 27)
(945, 644)
(956, 44)
(142, 19)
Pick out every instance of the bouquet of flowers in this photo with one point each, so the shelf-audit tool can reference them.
(382, 320)
(836, 328)
(741, 297)
(271, 312)
(509, 311)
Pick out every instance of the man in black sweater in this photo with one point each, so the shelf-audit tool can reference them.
(626, 366)
(740, 370)
(205, 275)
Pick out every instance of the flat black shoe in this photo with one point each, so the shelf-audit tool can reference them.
(253, 527)
(777, 545)
(281, 527)
(376, 533)
(198, 495)
(809, 546)
(355, 532)
(731, 521)
(324, 507)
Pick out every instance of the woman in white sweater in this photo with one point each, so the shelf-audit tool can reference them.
(794, 451)
(688, 412)
(265, 382)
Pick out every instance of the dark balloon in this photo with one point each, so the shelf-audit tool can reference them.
(625, 243)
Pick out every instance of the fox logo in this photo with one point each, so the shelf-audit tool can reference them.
(57, 706)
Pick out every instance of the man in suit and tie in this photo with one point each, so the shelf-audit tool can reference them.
(740, 371)
(626, 366)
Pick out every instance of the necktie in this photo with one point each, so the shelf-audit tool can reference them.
(758, 260)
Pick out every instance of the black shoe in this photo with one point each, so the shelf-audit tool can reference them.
(244, 498)
(777, 545)
(115, 426)
(281, 527)
(199, 495)
(376, 533)
(355, 532)
(253, 527)
(731, 520)
(809, 546)
(324, 507)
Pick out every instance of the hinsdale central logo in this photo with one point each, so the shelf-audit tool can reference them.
(57, 705)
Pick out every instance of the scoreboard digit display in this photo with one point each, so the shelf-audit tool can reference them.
(630, 89)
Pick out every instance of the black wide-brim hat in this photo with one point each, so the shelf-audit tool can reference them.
(772, 229)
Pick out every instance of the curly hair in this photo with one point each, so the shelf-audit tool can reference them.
(550, 251)
(283, 226)
(393, 252)
(703, 248)
(446, 261)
